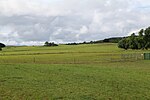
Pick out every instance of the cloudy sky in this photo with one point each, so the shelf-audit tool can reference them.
(31, 22)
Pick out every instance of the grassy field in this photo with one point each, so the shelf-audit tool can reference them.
(82, 72)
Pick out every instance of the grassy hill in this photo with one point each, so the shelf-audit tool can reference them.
(81, 72)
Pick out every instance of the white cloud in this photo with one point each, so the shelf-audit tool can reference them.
(83, 30)
(26, 21)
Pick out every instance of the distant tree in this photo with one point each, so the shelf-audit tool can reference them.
(106, 40)
(84, 42)
(53, 44)
(2, 46)
(91, 42)
(73, 43)
(46, 43)
(50, 44)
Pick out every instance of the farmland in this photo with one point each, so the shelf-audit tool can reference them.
(81, 72)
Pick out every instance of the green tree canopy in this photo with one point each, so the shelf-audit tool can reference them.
(140, 41)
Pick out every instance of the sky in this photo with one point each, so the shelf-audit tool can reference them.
(32, 22)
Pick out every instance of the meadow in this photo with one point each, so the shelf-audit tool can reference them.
(80, 72)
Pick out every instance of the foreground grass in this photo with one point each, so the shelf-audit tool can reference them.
(84, 72)
(119, 81)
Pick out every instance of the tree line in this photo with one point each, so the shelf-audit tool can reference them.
(106, 40)
(140, 41)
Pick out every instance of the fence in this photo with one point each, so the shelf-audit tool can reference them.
(146, 56)
(128, 57)
(74, 58)
(134, 56)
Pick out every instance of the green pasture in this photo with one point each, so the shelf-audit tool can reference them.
(82, 72)
(80, 54)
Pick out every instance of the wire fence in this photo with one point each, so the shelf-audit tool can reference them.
(128, 57)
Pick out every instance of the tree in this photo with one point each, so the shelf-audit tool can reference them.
(2, 46)
(124, 43)
(141, 33)
(147, 38)
(140, 41)
(147, 32)
(50, 44)
(133, 42)
(147, 45)
(46, 43)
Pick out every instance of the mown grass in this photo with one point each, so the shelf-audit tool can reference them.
(84, 72)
